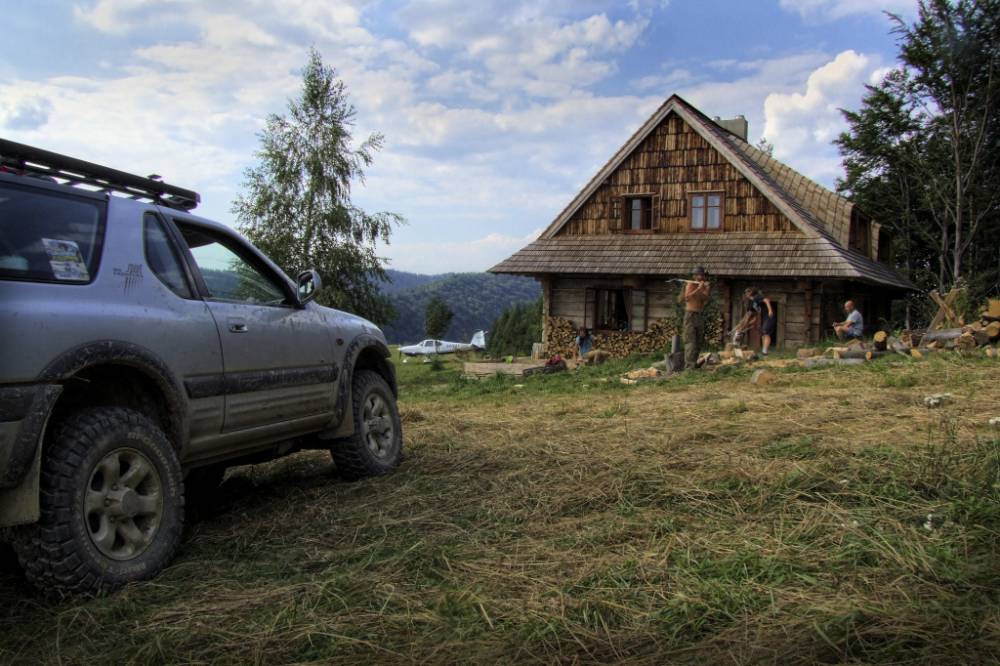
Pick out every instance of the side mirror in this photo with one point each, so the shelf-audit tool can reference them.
(308, 285)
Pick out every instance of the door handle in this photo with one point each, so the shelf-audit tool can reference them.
(237, 327)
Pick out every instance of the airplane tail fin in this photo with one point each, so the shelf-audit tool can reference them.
(479, 340)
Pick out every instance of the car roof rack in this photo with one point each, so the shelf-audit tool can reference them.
(28, 160)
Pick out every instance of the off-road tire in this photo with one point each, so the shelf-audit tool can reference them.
(357, 456)
(58, 554)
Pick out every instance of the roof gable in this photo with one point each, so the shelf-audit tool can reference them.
(814, 210)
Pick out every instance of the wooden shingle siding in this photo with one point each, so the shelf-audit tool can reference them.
(669, 164)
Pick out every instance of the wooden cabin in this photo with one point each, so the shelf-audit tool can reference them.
(687, 191)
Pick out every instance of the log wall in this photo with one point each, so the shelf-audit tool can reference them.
(671, 163)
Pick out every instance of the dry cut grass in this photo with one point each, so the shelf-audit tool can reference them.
(830, 517)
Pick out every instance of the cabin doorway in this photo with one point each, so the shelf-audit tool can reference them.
(752, 340)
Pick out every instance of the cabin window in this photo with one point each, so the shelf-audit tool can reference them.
(616, 310)
(639, 213)
(860, 235)
(885, 254)
(706, 211)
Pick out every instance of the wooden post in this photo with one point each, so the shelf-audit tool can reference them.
(727, 306)
(546, 283)
(810, 328)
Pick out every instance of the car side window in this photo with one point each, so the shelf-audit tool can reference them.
(228, 275)
(162, 257)
(49, 237)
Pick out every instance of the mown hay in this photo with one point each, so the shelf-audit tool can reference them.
(580, 521)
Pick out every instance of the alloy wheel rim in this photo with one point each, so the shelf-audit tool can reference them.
(123, 504)
(379, 431)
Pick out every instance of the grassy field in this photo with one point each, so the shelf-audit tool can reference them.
(828, 517)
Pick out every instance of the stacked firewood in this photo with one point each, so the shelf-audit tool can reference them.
(619, 344)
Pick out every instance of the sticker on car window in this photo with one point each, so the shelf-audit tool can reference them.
(65, 259)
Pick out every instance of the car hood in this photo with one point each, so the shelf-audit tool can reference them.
(346, 320)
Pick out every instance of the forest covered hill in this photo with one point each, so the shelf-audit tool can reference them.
(477, 299)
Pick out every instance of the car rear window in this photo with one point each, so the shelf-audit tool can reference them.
(48, 236)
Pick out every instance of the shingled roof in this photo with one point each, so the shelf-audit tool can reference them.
(737, 254)
(823, 217)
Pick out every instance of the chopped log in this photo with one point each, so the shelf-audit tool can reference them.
(874, 354)
(763, 377)
(821, 361)
(897, 346)
(941, 336)
(833, 351)
(851, 353)
(645, 373)
(916, 353)
(993, 310)
(911, 338)
(991, 352)
(879, 340)
(966, 341)
(807, 352)
(992, 330)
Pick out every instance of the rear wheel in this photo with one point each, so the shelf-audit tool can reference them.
(376, 446)
(112, 505)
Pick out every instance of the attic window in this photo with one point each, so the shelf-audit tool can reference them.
(638, 213)
(706, 211)
(860, 235)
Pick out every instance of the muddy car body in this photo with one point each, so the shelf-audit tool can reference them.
(145, 349)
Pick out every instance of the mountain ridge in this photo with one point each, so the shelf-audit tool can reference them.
(477, 299)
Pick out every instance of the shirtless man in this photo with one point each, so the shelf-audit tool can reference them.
(696, 294)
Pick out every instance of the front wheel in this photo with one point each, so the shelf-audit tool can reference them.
(376, 447)
(112, 505)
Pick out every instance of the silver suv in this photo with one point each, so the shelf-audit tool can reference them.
(142, 351)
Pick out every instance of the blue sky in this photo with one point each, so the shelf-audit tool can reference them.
(495, 113)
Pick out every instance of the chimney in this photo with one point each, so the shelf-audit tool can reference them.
(737, 125)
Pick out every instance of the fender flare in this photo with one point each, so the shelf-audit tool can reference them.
(120, 352)
(343, 415)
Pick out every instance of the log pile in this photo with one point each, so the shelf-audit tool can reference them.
(980, 337)
(619, 344)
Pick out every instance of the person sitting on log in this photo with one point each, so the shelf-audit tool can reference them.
(852, 328)
(585, 353)
(584, 341)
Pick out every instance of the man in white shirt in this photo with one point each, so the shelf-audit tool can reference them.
(853, 327)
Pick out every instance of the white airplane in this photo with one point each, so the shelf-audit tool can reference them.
(430, 347)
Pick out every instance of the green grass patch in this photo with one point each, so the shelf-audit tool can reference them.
(828, 517)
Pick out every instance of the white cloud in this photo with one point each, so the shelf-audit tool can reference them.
(493, 111)
(526, 47)
(838, 9)
(802, 124)
(459, 256)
